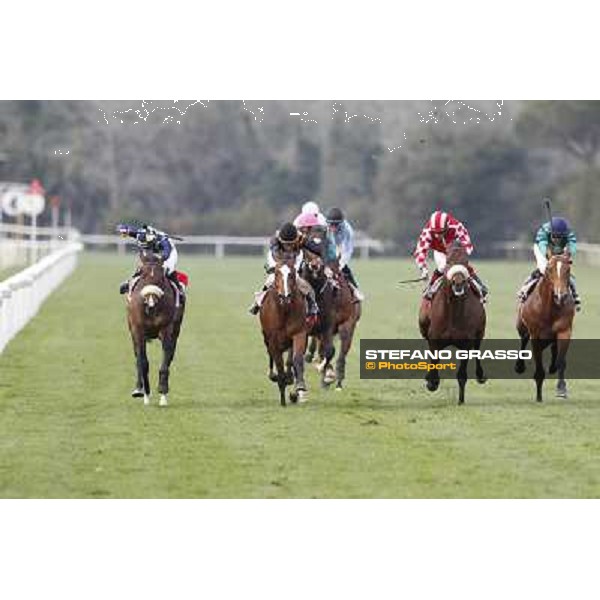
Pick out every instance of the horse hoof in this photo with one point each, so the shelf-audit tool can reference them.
(339, 388)
(146, 399)
(273, 377)
(308, 358)
(520, 367)
(432, 386)
(163, 400)
(302, 396)
(293, 397)
(561, 391)
(481, 380)
(137, 393)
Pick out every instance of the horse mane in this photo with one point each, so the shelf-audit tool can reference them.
(457, 256)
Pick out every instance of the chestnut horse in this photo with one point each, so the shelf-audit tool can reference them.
(338, 315)
(546, 317)
(153, 312)
(283, 321)
(454, 317)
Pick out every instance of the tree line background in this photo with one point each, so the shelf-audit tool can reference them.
(234, 167)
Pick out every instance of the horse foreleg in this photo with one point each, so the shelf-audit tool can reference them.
(328, 354)
(553, 357)
(277, 356)
(539, 374)
(289, 365)
(524, 334)
(312, 348)
(142, 368)
(168, 347)
(299, 347)
(479, 374)
(346, 332)
(461, 377)
(563, 341)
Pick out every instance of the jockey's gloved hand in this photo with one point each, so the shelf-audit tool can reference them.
(328, 272)
(424, 273)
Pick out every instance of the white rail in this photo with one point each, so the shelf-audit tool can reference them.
(22, 294)
(220, 242)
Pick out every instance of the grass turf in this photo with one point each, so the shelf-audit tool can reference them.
(68, 427)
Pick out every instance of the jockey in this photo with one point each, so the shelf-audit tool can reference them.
(340, 247)
(289, 241)
(311, 208)
(553, 237)
(439, 234)
(160, 243)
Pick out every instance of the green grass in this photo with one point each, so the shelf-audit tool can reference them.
(68, 427)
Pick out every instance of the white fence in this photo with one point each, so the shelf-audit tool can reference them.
(588, 254)
(22, 244)
(365, 245)
(22, 294)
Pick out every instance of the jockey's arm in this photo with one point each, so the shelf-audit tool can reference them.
(462, 233)
(420, 253)
(542, 238)
(572, 243)
(347, 245)
(165, 246)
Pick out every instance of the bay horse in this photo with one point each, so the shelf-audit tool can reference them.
(454, 316)
(546, 318)
(153, 311)
(339, 314)
(283, 322)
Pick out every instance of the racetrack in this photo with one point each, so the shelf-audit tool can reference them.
(68, 427)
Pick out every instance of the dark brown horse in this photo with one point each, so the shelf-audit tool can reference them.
(546, 317)
(338, 315)
(153, 311)
(283, 322)
(454, 317)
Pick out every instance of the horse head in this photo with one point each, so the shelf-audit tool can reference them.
(458, 278)
(314, 263)
(152, 277)
(285, 280)
(457, 271)
(558, 272)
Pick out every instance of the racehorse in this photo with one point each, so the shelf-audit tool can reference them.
(283, 322)
(546, 317)
(153, 311)
(338, 314)
(454, 317)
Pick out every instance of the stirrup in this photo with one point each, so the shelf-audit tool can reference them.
(254, 309)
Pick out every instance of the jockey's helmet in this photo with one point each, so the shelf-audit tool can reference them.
(335, 216)
(310, 208)
(438, 222)
(287, 233)
(559, 227)
(307, 220)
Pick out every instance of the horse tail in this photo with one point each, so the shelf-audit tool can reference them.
(151, 295)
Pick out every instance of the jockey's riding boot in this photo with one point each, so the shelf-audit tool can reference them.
(484, 289)
(428, 293)
(358, 295)
(576, 297)
(528, 285)
(124, 287)
(255, 307)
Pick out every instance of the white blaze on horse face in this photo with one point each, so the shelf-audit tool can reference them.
(285, 271)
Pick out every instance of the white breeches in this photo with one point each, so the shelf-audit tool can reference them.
(540, 259)
(440, 260)
(171, 263)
